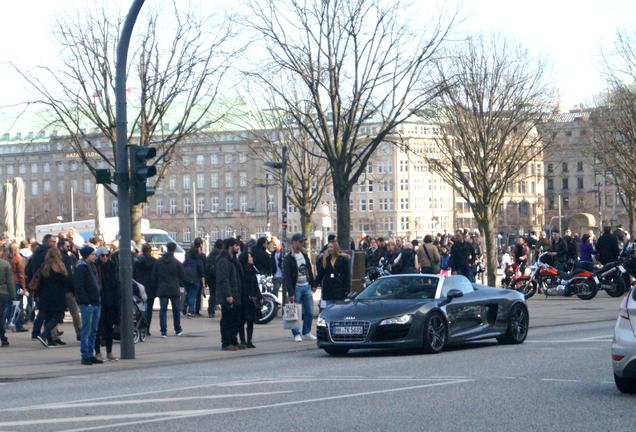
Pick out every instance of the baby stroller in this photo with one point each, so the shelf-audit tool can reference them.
(140, 323)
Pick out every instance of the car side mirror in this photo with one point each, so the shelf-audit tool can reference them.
(454, 293)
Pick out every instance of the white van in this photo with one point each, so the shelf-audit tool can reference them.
(159, 239)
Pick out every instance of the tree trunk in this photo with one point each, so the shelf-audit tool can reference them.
(136, 212)
(631, 215)
(305, 224)
(343, 215)
(487, 229)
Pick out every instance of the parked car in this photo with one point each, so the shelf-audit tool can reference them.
(624, 344)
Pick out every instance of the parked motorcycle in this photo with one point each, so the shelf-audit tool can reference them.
(269, 308)
(611, 277)
(383, 269)
(549, 281)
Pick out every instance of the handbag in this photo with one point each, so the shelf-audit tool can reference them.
(292, 316)
(434, 266)
(34, 283)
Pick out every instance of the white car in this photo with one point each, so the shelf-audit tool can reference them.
(624, 345)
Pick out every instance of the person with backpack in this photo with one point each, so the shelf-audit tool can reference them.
(428, 257)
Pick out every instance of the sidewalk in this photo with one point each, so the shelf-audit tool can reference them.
(27, 359)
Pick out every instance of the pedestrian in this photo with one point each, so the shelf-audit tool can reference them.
(393, 257)
(87, 294)
(262, 257)
(210, 276)
(167, 275)
(228, 293)
(7, 294)
(70, 261)
(110, 303)
(32, 269)
(334, 275)
(428, 257)
(586, 250)
(19, 279)
(298, 280)
(198, 245)
(520, 254)
(460, 256)
(607, 246)
(409, 260)
(277, 266)
(142, 273)
(251, 300)
(193, 271)
(558, 250)
(53, 286)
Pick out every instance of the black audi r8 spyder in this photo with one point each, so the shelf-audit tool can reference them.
(422, 311)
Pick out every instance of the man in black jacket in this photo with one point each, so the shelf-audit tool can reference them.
(142, 273)
(460, 256)
(87, 294)
(558, 250)
(607, 246)
(228, 293)
(167, 275)
(262, 257)
(210, 275)
(298, 280)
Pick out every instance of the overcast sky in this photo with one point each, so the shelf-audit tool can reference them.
(570, 33)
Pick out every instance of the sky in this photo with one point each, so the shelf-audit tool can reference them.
(570, 33)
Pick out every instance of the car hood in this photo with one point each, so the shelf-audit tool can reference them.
(370, 310)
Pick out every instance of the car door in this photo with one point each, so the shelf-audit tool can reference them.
(464, 313)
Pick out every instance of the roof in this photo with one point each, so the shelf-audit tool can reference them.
(571, 116)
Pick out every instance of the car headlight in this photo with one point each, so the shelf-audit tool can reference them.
(321, 322)
(404, 319)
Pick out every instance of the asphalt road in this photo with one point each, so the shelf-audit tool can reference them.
(560, 379)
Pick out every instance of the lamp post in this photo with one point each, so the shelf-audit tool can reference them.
(266, 186)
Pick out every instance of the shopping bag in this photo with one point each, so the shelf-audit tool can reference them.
(292, 316)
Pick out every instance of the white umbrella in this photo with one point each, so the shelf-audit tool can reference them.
(100, 218)
(9, 228)
(20, 209)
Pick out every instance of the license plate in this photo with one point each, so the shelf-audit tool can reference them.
(622, 269)
(350, 330)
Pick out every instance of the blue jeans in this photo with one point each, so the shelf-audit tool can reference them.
(90, 322)
(163, 312)
(193, 292)
(304, 297)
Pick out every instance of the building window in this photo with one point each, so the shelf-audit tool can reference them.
(114, 206)
(187, 181)
(187, 236)
(522, 187)
(229, 204)
(404, 223)
(87, 186)
(214, 208)
(228, 180)
(550, 184)
(550, 168)
(200, 159)
(228, 158)
(187, 206)
(61, 187)
(363, 205)
(362, 187)
(404, 203)
(74, 187)
(200, 181)
(533, 188)
(564, 167)
(47, 186)
(404, 184)
(404, 166)
(551, 203)
(270, 202)
(159, 206)
(200, 205)
(172, 183)
(579, 182)
(370, 206)
(387, 186)
(214, 180)
(370, 186)
(579, 166)
(229, 231)
(47, 167)
(564, 183)
(568, 133)
(243, 179)
(214, 159)
(173, 206)
(34, 168)
(243, 202)
(242, 157)
(34, 188)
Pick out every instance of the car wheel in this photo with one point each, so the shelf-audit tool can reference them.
(435, 333)
(517, 329)
(525, 285)
(586, 290)
(336, 351)
(625, 385)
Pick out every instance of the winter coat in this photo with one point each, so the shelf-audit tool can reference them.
(561, 249)
(167, 275)
(262, 260)
(210, 267)
(250, 293)
(520, 251)
(336, 279)
(86, 284)
(7, 286)
(228, 279)
(586, 251)
(290, 273)
(423, 259)
(52, 292)
(408, 262)
(17, 267)
(607, 248)
(35, 262)
(142, 273)
(460, 257)
(193, 268)
(110, 296)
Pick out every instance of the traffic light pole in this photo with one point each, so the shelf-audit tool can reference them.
(283, 213)
(123, 185)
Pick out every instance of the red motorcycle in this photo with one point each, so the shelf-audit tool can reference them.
(548, 280)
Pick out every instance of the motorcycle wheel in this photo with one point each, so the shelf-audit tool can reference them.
(525, 285)
(269, 310)
(618, 287)
(586, 290)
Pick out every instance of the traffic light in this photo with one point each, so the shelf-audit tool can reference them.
(140, 172)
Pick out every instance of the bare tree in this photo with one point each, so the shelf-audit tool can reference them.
(176, 83)
(364, 72)
(491, 101)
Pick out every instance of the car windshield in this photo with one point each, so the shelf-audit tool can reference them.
(401, 288)
(157, 239)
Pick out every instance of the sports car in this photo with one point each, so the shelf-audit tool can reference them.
(426, 312)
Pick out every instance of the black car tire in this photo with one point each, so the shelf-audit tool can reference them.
(435, 335)
(525, 285)
(625, 385)
(336, 351)
(590, 290)
(517, 329)
(618, 287)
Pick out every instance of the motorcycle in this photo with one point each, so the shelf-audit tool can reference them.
(510, 272)
(269, 308)
(611, 277)
(549, 281)
(376, 272)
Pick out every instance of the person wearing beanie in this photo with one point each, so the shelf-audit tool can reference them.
(88, 296)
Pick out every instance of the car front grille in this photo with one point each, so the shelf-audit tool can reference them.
(322, 334)
(349, 338)
(391, 332)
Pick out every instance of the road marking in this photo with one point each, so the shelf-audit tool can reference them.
(144, 401)
(560, 380)
(571, 341)
(200, 413)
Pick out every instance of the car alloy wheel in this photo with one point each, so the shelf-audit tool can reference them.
(436, 333)
(518, 324)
